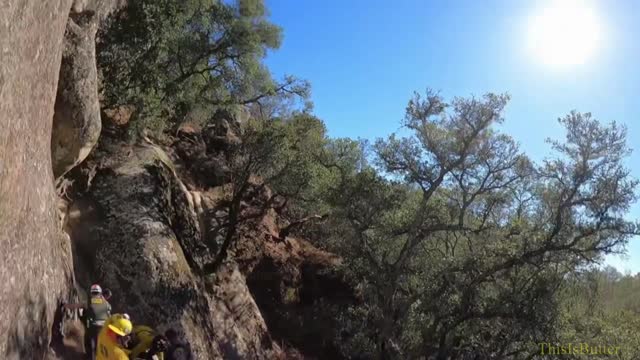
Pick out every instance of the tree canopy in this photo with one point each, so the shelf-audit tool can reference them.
(173, 60)
(462, 244)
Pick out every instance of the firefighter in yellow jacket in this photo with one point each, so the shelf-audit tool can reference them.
(146, 343)
(112, 340)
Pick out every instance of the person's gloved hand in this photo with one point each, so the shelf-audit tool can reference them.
(62, 309)
(159, 344)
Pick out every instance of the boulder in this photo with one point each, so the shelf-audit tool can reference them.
(222, 132)
(35, 271)
(206, 168)
(77, 121)
(119, 116)
(101, 7)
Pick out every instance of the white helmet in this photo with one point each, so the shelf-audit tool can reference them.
(96, 289)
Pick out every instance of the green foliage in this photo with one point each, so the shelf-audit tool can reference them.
(282, 152)
(461, 244)
(275, 162)
(602, 307)
(172, 59)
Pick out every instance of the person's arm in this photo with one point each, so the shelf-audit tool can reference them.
(140, 348)
(122, 355)
(158, 356)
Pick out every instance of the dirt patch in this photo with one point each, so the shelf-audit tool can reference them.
(297, 288)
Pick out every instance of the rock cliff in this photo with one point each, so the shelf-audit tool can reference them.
(35, 270)
(137, 218)
(76, 122)
(140, 222)
(138, 228)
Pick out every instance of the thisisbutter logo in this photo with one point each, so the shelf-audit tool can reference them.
(578, 349)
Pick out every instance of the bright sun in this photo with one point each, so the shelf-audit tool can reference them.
(566, 32)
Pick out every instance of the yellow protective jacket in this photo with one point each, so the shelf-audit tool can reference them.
(108, 348)
(143, 337)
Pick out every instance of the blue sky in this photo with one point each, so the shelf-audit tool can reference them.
(364, 59)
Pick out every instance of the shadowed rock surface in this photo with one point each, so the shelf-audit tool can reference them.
(76, 122)
(35, 271)
(145, 238)
(142, 227)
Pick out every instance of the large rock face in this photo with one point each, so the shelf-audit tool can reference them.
(76, 122)
(142, 227)
(35, 269)
(138, 225)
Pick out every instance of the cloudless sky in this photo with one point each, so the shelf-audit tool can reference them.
(364, 59)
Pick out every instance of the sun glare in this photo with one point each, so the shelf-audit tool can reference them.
(565, 32)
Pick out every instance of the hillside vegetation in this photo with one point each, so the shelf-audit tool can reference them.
(458, 244)
(208, 195)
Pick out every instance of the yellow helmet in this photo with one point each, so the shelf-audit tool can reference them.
(120, 325)
(116, 317)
